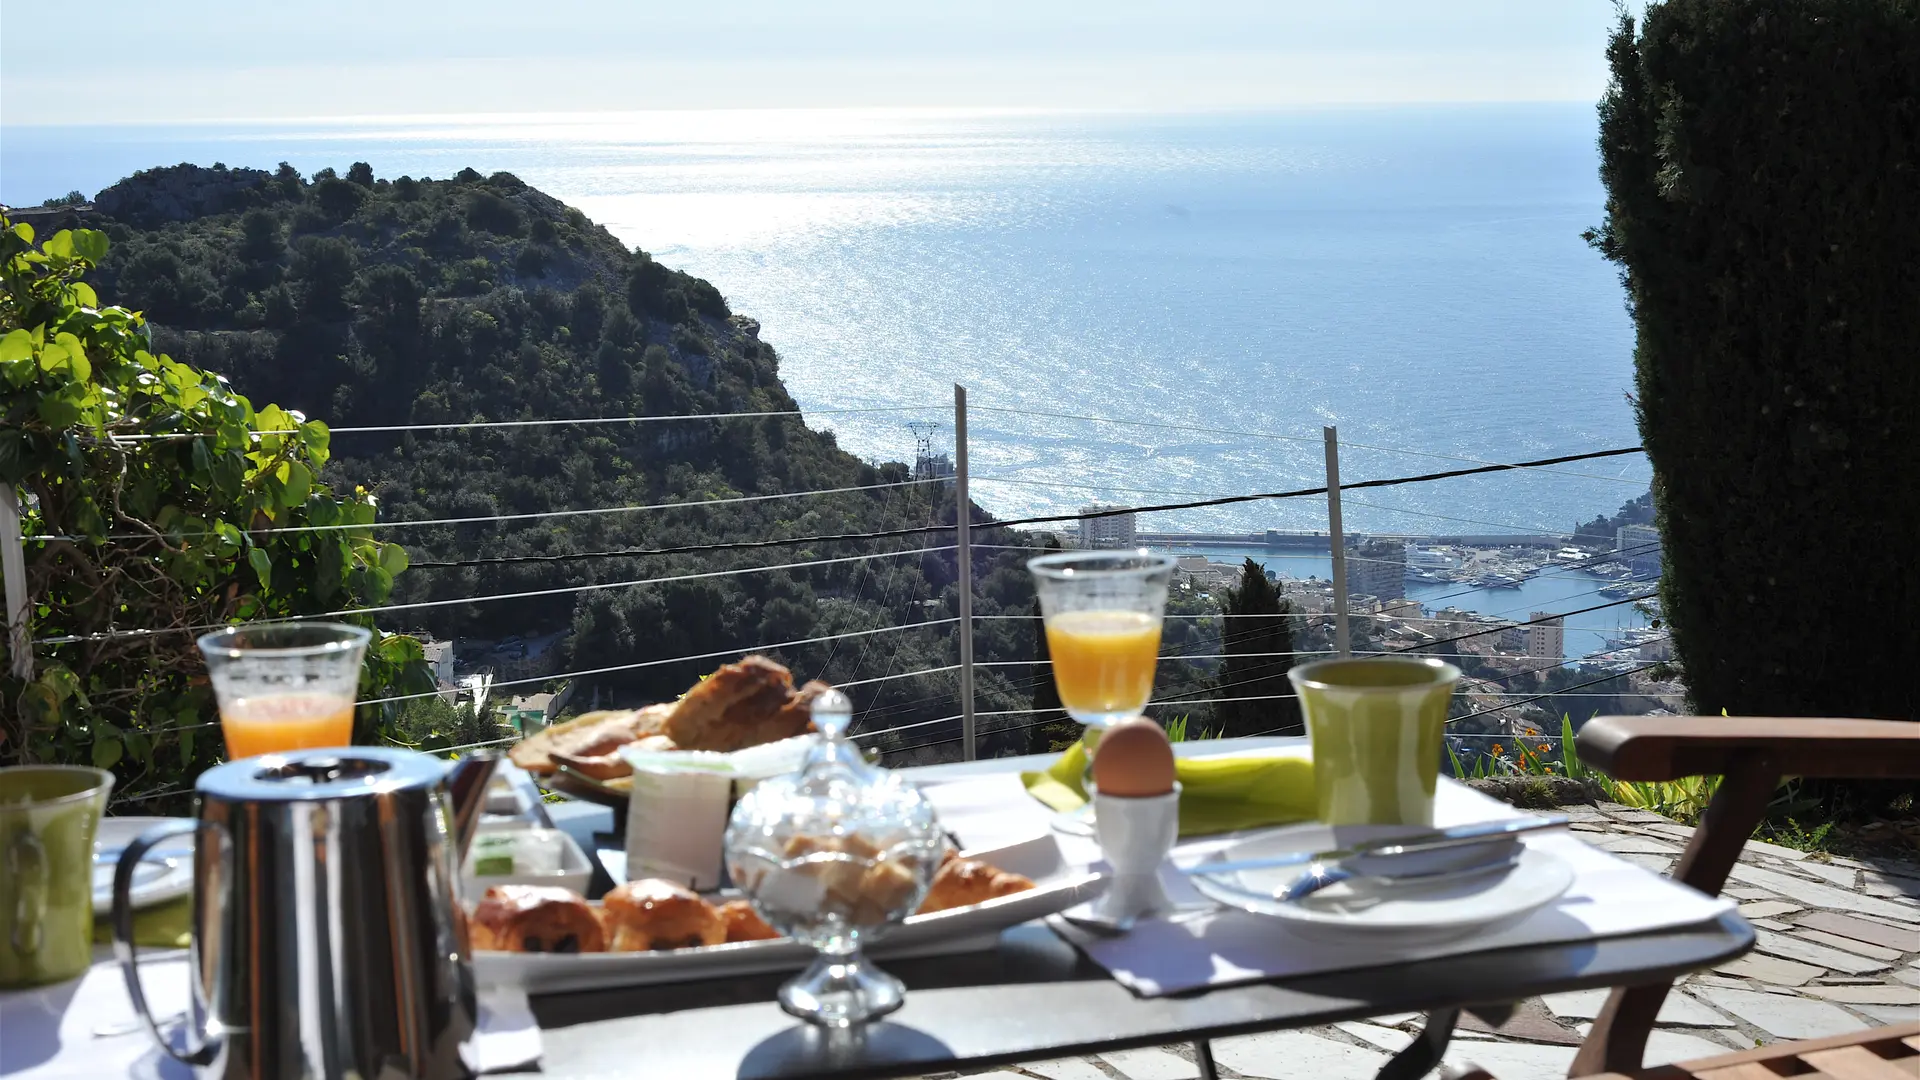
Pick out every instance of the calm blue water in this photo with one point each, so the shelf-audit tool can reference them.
(1415, 276)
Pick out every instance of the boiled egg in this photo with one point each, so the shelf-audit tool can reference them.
(1133, 760)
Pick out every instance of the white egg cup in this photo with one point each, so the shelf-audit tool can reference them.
(1135, 835)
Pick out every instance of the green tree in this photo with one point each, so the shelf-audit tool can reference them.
(1762, 166)
(263, 241)
(338, 199)
(1259, 644)
(325, 267)
(432, 723)
(197, 522)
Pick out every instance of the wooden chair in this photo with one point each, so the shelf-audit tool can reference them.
(1752, 753)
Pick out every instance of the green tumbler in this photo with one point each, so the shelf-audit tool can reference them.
(48, 815)
(1376, 727)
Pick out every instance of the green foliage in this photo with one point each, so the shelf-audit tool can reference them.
(1604, 530)
(1790, 833)
(163, 500)
(71, 198)
(1683, 800)
(1252, 669)
(433, 724)
(1762, 165)
(1178, 731)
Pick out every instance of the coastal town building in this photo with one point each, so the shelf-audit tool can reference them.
(529, 713)
(1402, 609)
(440, 659)
(1546, 637)
(1113, 531)
(1639, 546)
(1377, 568)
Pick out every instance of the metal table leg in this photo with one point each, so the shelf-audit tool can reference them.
(1203, 1053)
(1425, 1051)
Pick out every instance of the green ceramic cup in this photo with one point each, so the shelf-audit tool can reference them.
(48, 815)
(1376, 727)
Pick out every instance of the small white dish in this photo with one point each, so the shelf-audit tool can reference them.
(503, 800)
(1453, 902)
(166, 872)
(574, 872)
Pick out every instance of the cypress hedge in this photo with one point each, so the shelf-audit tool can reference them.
(1762, 166)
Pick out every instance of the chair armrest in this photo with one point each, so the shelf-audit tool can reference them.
(1670, 747)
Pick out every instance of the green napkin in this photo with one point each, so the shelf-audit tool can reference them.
(1217, 794)
(163, 926)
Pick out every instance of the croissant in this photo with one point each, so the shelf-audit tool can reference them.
(535, 918)
(745, 924)
(968, 881)
(654, 914)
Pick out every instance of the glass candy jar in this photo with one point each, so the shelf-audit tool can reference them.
(832, 856)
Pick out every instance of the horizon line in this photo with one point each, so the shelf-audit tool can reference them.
(877, 111)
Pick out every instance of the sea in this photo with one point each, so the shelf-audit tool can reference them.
(1143, 308)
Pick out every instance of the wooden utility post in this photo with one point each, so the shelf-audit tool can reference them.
(1337, 541)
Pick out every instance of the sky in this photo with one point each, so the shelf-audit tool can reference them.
(236, 60)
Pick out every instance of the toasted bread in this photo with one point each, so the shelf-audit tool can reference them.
(590, 735)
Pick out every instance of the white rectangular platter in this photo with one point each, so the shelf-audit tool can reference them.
(1057, 886)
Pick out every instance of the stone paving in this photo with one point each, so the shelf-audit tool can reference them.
(1839, 951)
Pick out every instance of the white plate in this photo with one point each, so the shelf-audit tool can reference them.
(1057, 886)
(166, 872)
(1447, 906)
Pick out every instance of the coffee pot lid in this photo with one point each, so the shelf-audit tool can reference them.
(339, 772)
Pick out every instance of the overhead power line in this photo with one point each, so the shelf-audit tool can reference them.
(883, 534)
(1482, 461)
(575, 421)
(526, 595)
(714, 655)
(406, 523)
(1555, 693)
(1530, 622)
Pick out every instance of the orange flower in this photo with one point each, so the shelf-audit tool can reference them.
(1498, 750)
(1545, 748)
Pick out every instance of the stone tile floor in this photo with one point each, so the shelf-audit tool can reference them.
(1839, 951)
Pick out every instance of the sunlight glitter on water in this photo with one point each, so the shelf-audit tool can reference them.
(1414, 276)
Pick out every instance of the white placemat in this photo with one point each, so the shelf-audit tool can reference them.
(1609, 897)
(86, 1029)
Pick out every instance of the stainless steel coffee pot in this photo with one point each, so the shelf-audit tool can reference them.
(328, 940)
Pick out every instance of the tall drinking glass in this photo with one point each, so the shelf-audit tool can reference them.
(285, 686)
(1102, 611)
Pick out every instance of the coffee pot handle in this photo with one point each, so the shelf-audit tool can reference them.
(202, 1047)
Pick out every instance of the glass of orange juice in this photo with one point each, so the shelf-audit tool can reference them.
(285, 686)
(1102, 611)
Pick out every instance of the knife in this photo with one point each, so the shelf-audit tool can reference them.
(1458, 836)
